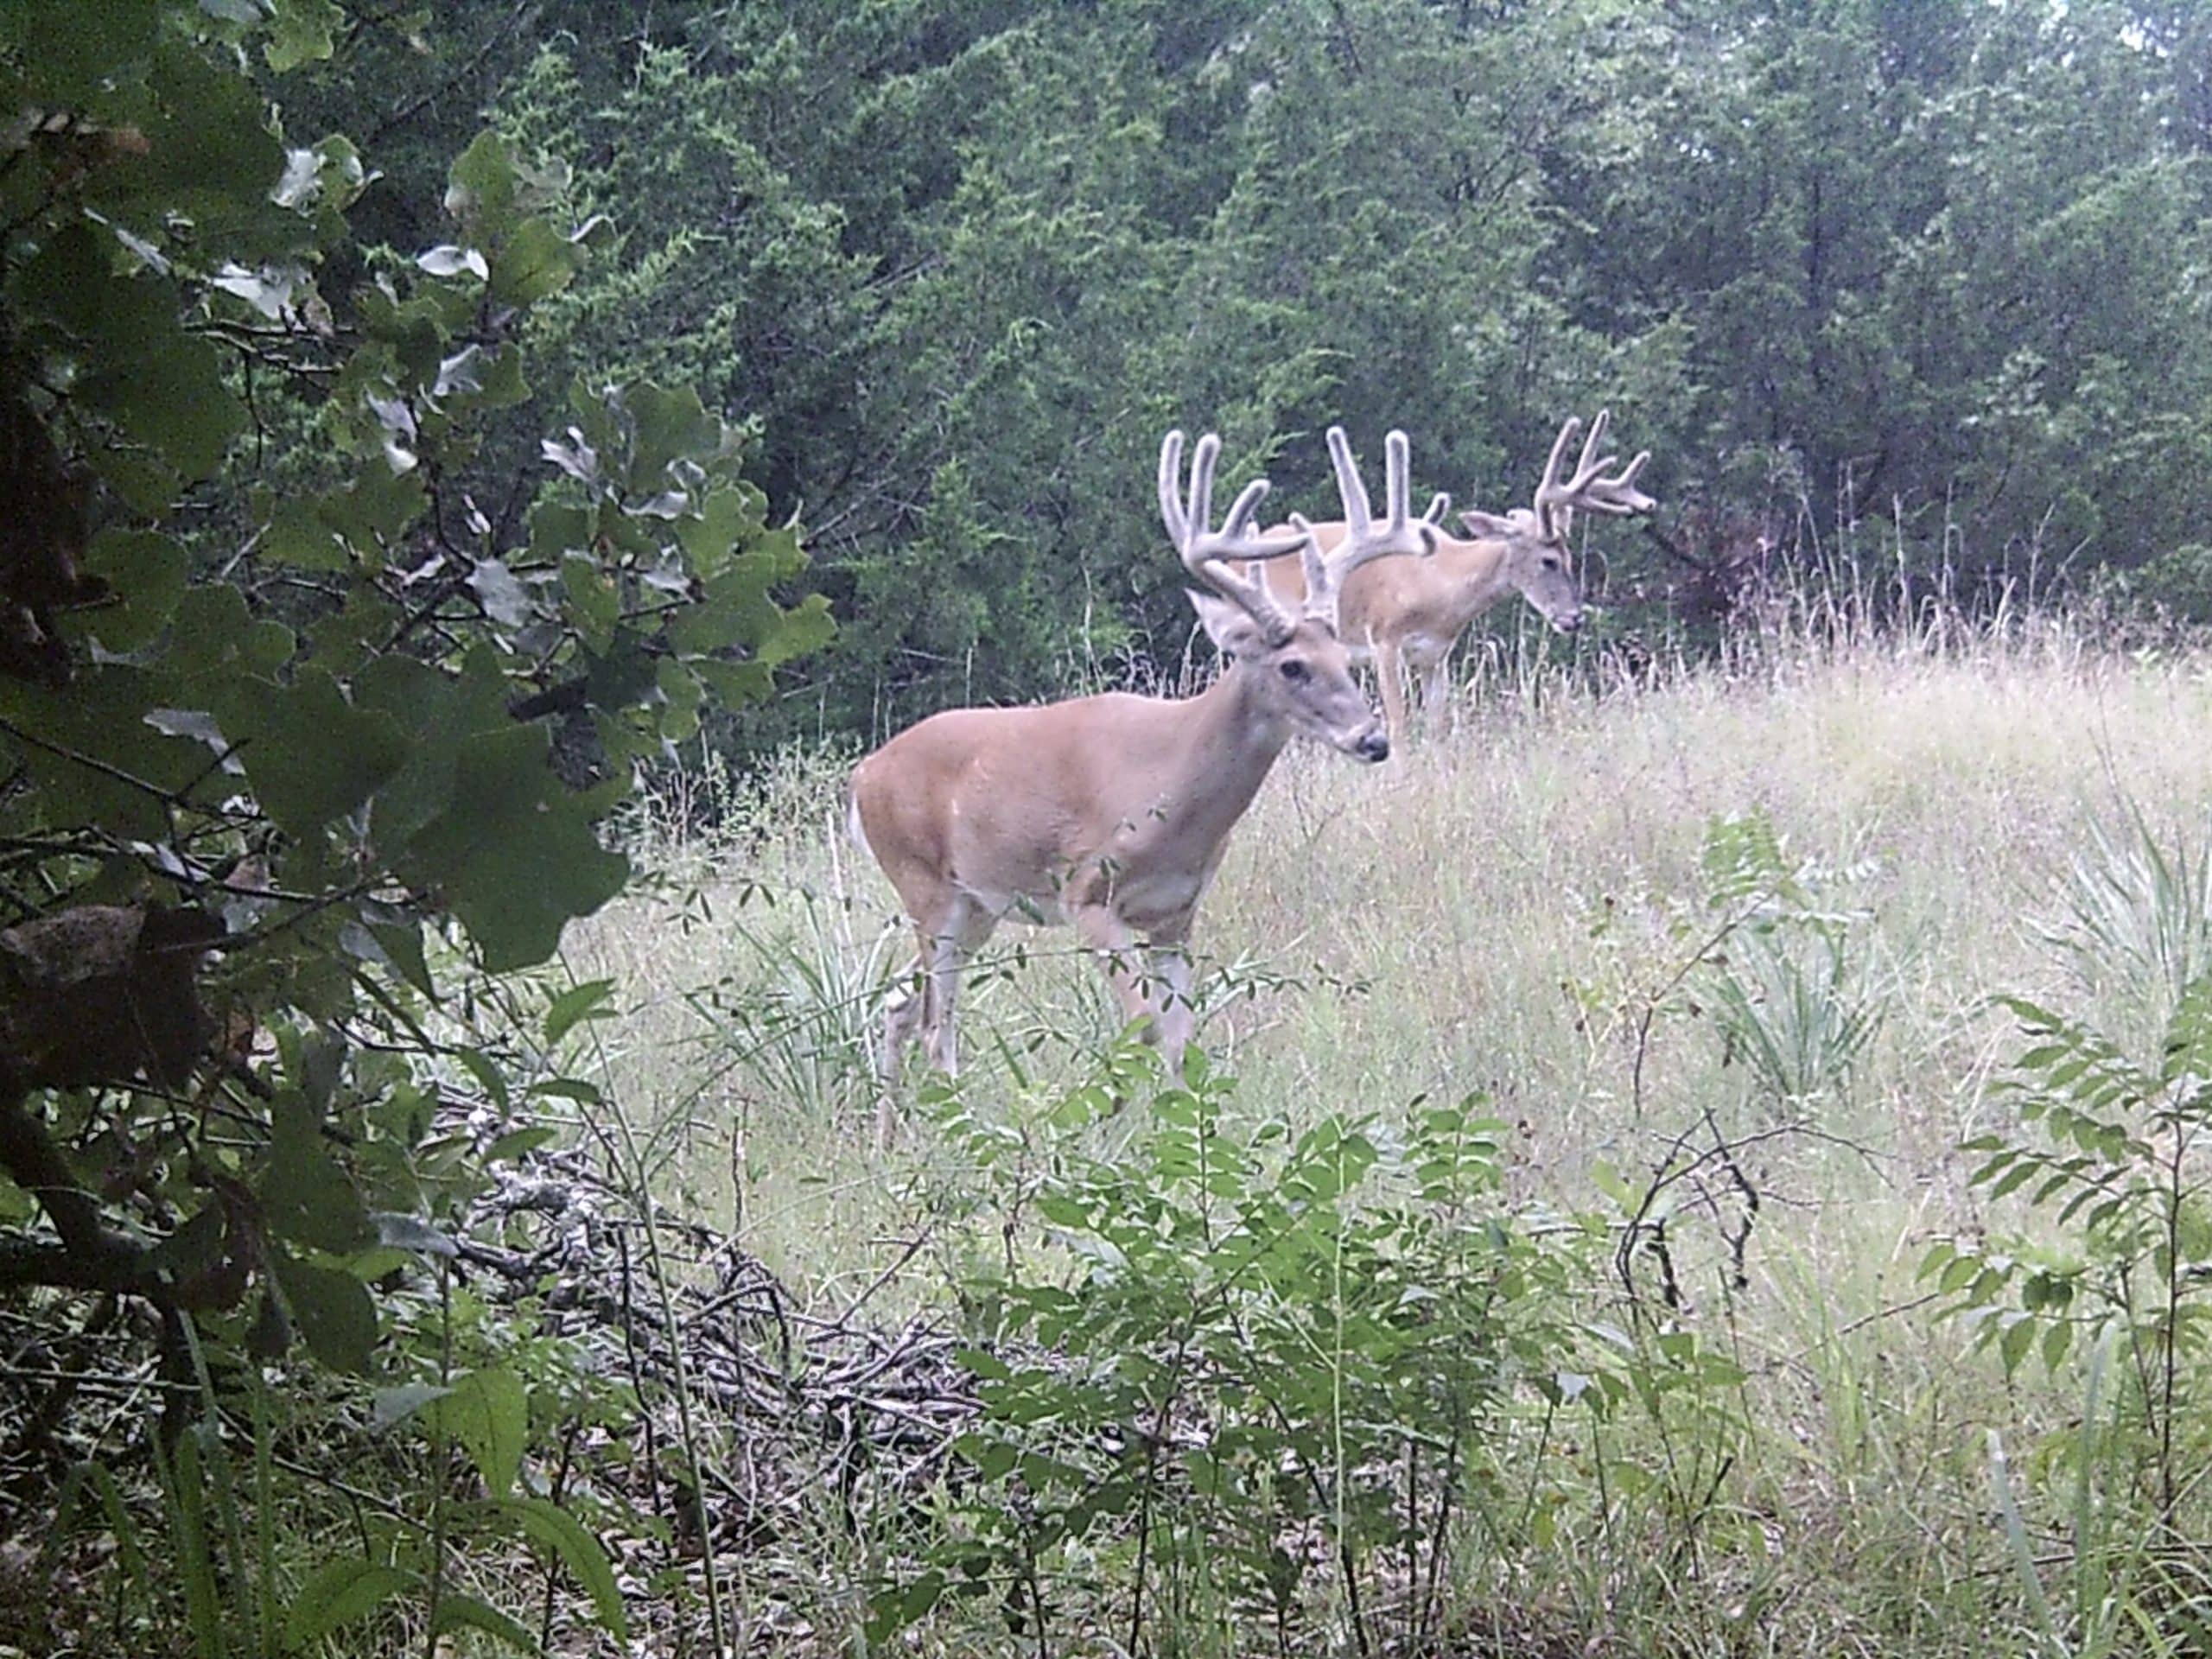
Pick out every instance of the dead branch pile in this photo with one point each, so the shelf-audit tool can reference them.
(806, 1423)
(791, 1407)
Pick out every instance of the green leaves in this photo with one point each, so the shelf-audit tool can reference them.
(665, 563)
(513, 852)
(341, 1593)
(308, 688)
(456, 1612)
(148, 572)
(333, 1311)
(487, 1412)
(301, 32)
(2100, 1156)
(501, 202)
(1293, 1295)
(311, 756)
(161, 385)
(561, 1533)
(76, 47)
(305, 1196)
(577, 1003)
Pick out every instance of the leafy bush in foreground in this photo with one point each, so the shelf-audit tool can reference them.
(282, 682)
(1277, 1357)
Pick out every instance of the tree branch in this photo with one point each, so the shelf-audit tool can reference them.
(91, 1256)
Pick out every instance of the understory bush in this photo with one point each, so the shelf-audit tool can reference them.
(1259, 1374)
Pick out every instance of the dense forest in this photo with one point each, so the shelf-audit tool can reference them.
(1705, 1152)
(1917, 281)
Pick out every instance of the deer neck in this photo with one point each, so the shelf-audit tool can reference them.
(1229, 740)
(1476, 570)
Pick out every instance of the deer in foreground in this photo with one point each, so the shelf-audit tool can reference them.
(1407, 615)
(1111, 812)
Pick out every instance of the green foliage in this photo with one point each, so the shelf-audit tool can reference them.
(2178, 581)
(1271, 1353)
(2107, 1156)
(304, 661)
(1917, 286)
(331, 731)
(2131, 923)
(1783, 982)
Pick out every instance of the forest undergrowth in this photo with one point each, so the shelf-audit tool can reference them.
(1765, 1346)
(1699, 1160)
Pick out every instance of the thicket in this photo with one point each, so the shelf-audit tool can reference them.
(311, 738)
(1922, 284)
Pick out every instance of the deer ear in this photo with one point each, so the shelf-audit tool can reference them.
(1227, 625)
(1486, 523)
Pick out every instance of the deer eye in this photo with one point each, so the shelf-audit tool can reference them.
(1551, 561)
(1295, 672)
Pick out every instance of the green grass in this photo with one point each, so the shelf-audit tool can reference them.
(1496, 914)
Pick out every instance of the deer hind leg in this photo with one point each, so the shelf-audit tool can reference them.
(909, 1007)
(958, 935)
(924, 1003)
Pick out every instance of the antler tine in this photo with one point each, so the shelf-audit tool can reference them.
(1352, 489)
(1567, 434)
(1365, 540)
(1208, 554)
(1315, 563)
(1170, 488)
(1398, 462)
(1197, 517)
(1618, 496)
(1397, 482)
(1238, 526)
(1548, 489)
(1589, 489)
(1589, 467)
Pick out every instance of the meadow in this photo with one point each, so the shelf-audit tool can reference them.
(1537, 908)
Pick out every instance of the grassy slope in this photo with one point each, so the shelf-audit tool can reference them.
(1493, 915)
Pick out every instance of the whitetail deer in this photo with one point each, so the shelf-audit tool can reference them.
(1110, 813)
(1407, 615)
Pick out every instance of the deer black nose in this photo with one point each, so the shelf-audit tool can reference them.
(1571, 623)
(1375, 746)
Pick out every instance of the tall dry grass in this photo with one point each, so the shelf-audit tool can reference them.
(1508, 910)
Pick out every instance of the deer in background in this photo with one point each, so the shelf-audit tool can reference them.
(1111, 812)
(1407, 615)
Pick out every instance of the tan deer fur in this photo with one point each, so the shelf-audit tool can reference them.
(1407, 615)
(1111, 812)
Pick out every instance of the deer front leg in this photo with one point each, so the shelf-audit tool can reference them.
(1109, 936)
(1390, 680)
(958, 936)
(1158, 991)
(1178, 1015)
(1436, 697)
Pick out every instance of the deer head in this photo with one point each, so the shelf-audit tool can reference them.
(1539, 558)
(1298, 668)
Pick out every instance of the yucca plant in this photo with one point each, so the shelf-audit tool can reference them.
(1783, 982)
(2109, 1245)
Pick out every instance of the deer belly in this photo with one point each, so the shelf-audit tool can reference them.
(1041, 907)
